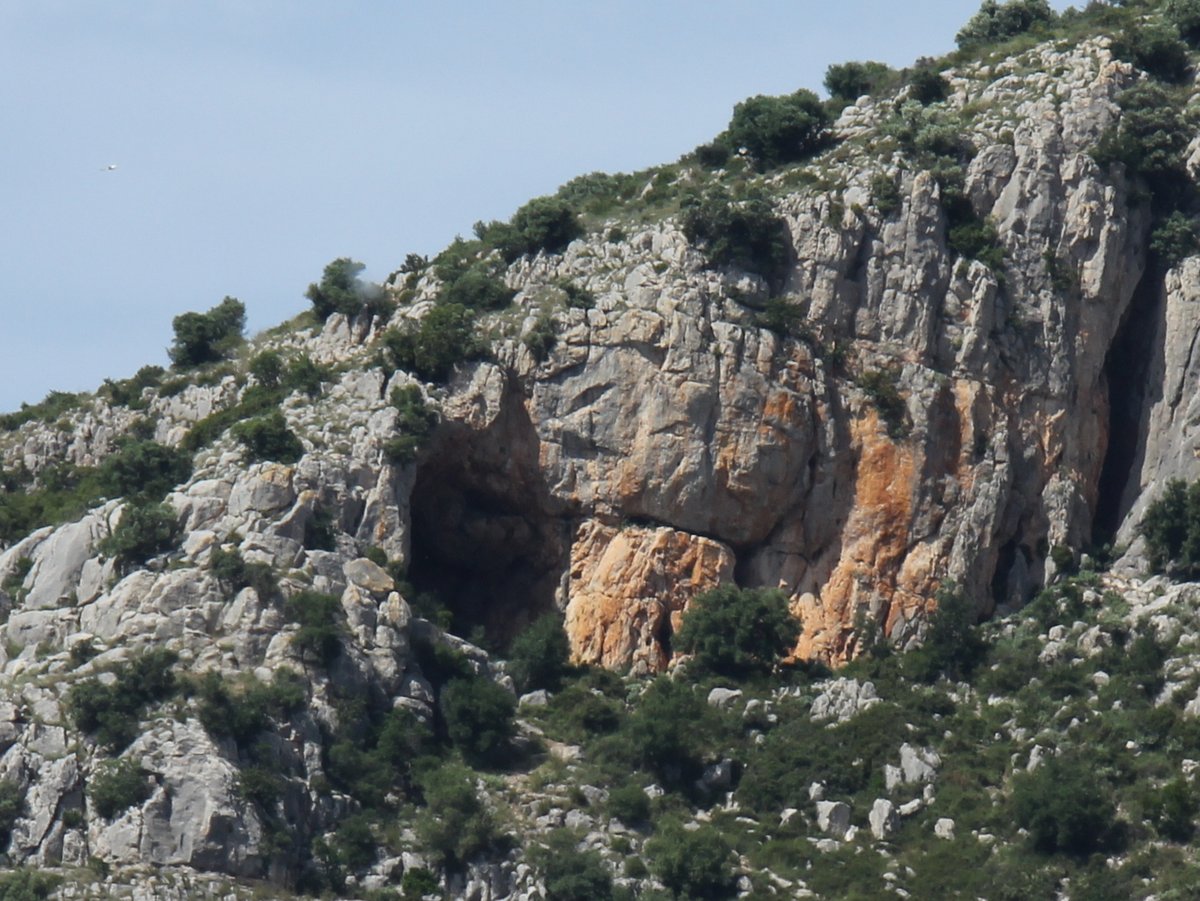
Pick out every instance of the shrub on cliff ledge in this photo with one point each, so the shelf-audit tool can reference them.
(737, 631)
(741, 232)
(779, 130)
(996, 22)
(207, 337)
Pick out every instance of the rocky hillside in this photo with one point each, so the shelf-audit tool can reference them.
(933, 342)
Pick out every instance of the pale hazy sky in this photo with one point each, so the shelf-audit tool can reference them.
(256, 140)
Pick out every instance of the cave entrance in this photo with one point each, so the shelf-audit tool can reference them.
(1128, 368)
(488, 541)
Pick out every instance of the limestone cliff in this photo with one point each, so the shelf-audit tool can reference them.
(667, 442)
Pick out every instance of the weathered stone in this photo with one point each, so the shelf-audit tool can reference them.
(883, 818)
(833, 817)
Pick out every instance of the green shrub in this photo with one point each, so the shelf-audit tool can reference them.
(303, 375)
(543, 224)
(370, 757)
(267, 367)
(540, 655)
(111, 712)
(738, 631)
(415, 422)
(882, 388)
(117, 786)
(745, 233)
(128, 392)
(455, 824)
(261, 785)
(669, 733)
(1154, 48)
(540, 338)
(1149, 139)
(27, 885)
(692, 864)
(1065, 807)
(243, 711)
(997, 22)
(629, 803)
(432, 347)
(847, 82)
(1173, 810)
(570, 874)
(479, 717)
(1171, 528)
(207, 337)
(952, 646)
(578, 297)
(1185, 16)
(320, 531)
(977, 239)
(144, 531)
(1174, 240)
(779, 130)
(12, 805)
(927, 84)
(144, 469)
(342, 291)
(417, 883)
(320, 619)
(783, 316)
(268, 438)
(885, 192)
(234, 573)
(53, 406)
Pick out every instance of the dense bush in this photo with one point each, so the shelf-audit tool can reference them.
(738, 631)
(570, 874)
(12, 805)
(111, 711)
(692, 864)
(977, 239)
(1149, 139)
(207, 337)
(996, 22)
(885, 193)
(145, 469)
(745, 233)
(479, 718)
(144, 531)
(117, 786)
(927, 85)
(234, 573)
(476, 288)
(540, 337)
(1065, 807)
(540, 656)
(27, 885)
(849, 81)
(1154, 48)
(242, 711)
(415, 422)
(1185, 16)
(1171, 527)
(52, 407)
(455, 825)
(543, 224)
(882, 388)
(320, 619)
(1174, 240)
(268, 438)
(371, 756)
(779, 130)
(342, 291)
(952, 645)
(128, 392)
(267, 367)
(432, 347)
(669, 733)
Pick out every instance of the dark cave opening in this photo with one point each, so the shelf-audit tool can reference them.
(486, 539)
(1127, 370)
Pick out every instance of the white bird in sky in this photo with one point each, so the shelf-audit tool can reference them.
(109, 168)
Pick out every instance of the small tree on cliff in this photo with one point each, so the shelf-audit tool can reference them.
(738, 631)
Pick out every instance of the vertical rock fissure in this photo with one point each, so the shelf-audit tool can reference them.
(1127, 369)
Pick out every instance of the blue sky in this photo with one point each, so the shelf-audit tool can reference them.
(256, 140)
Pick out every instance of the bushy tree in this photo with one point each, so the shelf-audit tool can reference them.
(320, 619)
(1171, 527)
(455, 823)
(927, 85)
(341, 290)
(1065, 807)
(117, 786)
(744, 232)
(1185, 16)
(849, 81)
(207, 337)
(269, 438)
(479, 718)
(415, 423)
(1174, 240)
(432, 347)
(144, 530)
(1149, 138)
(952, 645)
(111, 710)
(692, 864)
(544, 223)
(145, 469)
(267, 367)
(570, 874)
(668, 733)
(779, 130)
(1155, 48)
(737, 631)
(996, 22)
(540, 656)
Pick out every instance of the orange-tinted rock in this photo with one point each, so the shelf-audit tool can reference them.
(628, 588)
